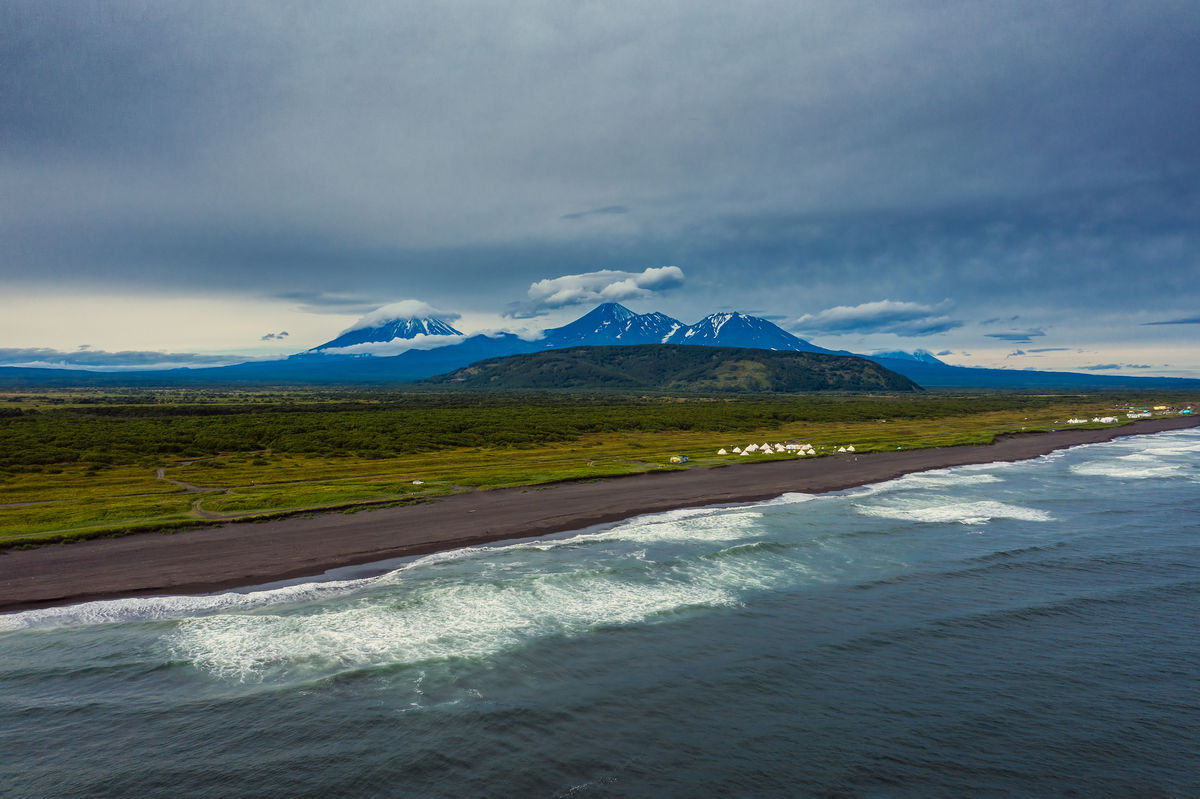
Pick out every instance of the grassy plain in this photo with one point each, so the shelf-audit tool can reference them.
(77, 464)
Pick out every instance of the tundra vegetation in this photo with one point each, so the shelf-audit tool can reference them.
(78, 464)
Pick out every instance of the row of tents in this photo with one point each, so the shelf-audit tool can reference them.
(778, 449)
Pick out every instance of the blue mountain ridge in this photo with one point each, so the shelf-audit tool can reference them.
(607, 324)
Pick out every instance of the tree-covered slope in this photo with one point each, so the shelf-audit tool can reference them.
(671, 367)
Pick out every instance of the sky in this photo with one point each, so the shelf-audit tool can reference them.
(1011, 184)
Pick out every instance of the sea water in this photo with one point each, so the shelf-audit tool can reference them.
(1026, 629)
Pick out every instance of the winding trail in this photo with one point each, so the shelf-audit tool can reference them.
(188, 488)
(11, 505)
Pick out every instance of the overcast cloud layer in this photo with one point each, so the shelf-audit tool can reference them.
(864, 171)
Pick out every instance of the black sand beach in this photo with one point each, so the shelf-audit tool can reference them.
(242, 554)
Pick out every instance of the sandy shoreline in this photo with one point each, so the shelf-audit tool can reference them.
(243, 554)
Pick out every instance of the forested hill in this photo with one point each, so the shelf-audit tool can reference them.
(671, 367)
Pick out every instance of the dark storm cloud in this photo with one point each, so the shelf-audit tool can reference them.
(1016, 337)
(331, 301)
(1192, 320)
(818, 153)
(608, 210)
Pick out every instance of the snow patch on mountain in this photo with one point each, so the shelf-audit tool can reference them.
(403, 310)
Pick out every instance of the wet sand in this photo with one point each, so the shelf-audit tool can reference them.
(246, 553)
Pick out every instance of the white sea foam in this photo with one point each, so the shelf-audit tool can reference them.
(157, 608)
(945, 511)
(468, 619)
(1144, 464)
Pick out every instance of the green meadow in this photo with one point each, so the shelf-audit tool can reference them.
(78, 464)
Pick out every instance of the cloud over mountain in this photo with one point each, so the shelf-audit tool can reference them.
(882, 316)
(404, 309)
(604, 285)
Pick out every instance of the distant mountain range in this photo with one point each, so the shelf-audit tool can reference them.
(439, 348)
(609, 323)
(678, 367)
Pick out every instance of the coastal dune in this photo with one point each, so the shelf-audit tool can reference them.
(245, 553)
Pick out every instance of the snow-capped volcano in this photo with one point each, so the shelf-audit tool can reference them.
(612, 323)
(402, 320)
(733, 329)
(920, 356)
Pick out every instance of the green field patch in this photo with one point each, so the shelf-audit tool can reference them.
(19, 523)
(245, 500)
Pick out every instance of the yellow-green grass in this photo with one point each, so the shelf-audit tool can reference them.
(84, 502)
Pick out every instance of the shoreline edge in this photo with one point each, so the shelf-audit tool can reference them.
(240, 554)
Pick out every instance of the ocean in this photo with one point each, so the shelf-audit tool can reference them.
(1010, 629)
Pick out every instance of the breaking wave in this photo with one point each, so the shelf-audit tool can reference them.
(950, 510)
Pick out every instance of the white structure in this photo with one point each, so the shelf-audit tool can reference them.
(738, 450)
(850, 448)
(722, 451)
(841, 449)
(1105, 419)
(751, 448)
(745, 452)
(1077, 421)
(418, 482)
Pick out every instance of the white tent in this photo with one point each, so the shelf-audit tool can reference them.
(745, 452)
(850, 448)
(841, 449)
(722, 451)
(751, 448)
(737, 450)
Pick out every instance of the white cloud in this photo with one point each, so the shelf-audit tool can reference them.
(605, 285)
(101, 360)
(396, 345)
(404, 309)
(881, 316)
